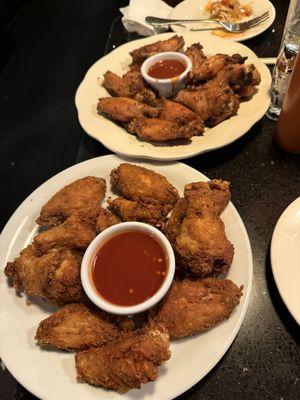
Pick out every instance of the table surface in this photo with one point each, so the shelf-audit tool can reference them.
(44, 57)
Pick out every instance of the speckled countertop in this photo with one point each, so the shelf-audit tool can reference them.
(264, 360)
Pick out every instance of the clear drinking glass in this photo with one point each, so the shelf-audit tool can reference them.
(286, 59)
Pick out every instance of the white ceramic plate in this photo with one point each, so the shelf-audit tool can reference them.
(285, 257)
(195, 9)
(119, 141)
(51, 375)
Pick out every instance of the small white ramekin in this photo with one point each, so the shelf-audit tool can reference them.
(166, 87)
(89, 256)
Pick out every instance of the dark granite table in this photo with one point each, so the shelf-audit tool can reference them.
(44, 56)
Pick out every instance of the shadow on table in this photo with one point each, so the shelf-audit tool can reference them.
(286, 318)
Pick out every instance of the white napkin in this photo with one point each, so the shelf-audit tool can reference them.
(134, 15)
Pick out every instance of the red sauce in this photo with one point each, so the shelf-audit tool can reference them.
(129, 268)
(165, 69)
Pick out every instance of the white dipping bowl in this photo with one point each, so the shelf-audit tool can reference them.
(88, 261)
(166, 87)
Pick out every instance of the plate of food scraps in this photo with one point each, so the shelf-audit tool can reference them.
(135, 123)
(197, 343)
(225, 10)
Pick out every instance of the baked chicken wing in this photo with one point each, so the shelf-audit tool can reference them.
(143, 185)
(124, 110)
(89, 190)
(128, 85)
(161, 130)
(77, 327)
(193, 306)
(175, 43)
(126, 363)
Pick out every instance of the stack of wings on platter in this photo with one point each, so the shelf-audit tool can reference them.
(214, 89)
(120, 352)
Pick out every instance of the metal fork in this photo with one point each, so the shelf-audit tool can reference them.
(229, 26)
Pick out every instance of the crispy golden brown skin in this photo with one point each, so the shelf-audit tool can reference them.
(197, 232)
(78, 194)
(160, 130)
(125, 364)
(106, 219)
(124, 110)
(212, 102)
(54, 276)
(129, 210)
(175, 43)
(172, 111)
(77, 327)
(203, 68)
(129, 85)
(193, 306)
(76, 232)
(141, 184)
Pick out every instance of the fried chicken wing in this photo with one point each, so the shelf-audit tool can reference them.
(89, 190)
(172, 111)
(54, 276)
(76, 232)
(196, 231)
(77, 327)
(106, 219)
(126, 363)
(160, 130)
(129, 210)
(193, 306)
(175, 43)
(213, 103)
(129, 85)
(143, 185)
(125, 110)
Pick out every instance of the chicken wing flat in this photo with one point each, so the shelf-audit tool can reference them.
(129, 210)
(175, 43)
(106, 219)
(126, 363)
(143, 185)
(213, 103)
(77, 327)
(194, 306)
(89, 190)
(203, 68)
(172, 111)
(196, 231)
(160, 130)
(124, 110)
(54, 276)
(76, 232)
(129, 85)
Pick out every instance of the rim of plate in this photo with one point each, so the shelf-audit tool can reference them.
(37, 391)
(248, 121)
(274, 264)
(269, 21)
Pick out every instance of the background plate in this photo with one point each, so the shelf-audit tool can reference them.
(119, 141)
(191, 9)
(285, 257)
(51, 375)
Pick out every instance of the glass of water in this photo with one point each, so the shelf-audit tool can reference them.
(286, 59)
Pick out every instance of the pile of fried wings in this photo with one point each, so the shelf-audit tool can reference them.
(214, 88)
(115, 352)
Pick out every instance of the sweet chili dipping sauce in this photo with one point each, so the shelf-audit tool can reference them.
(165, 69)
(129, 268)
